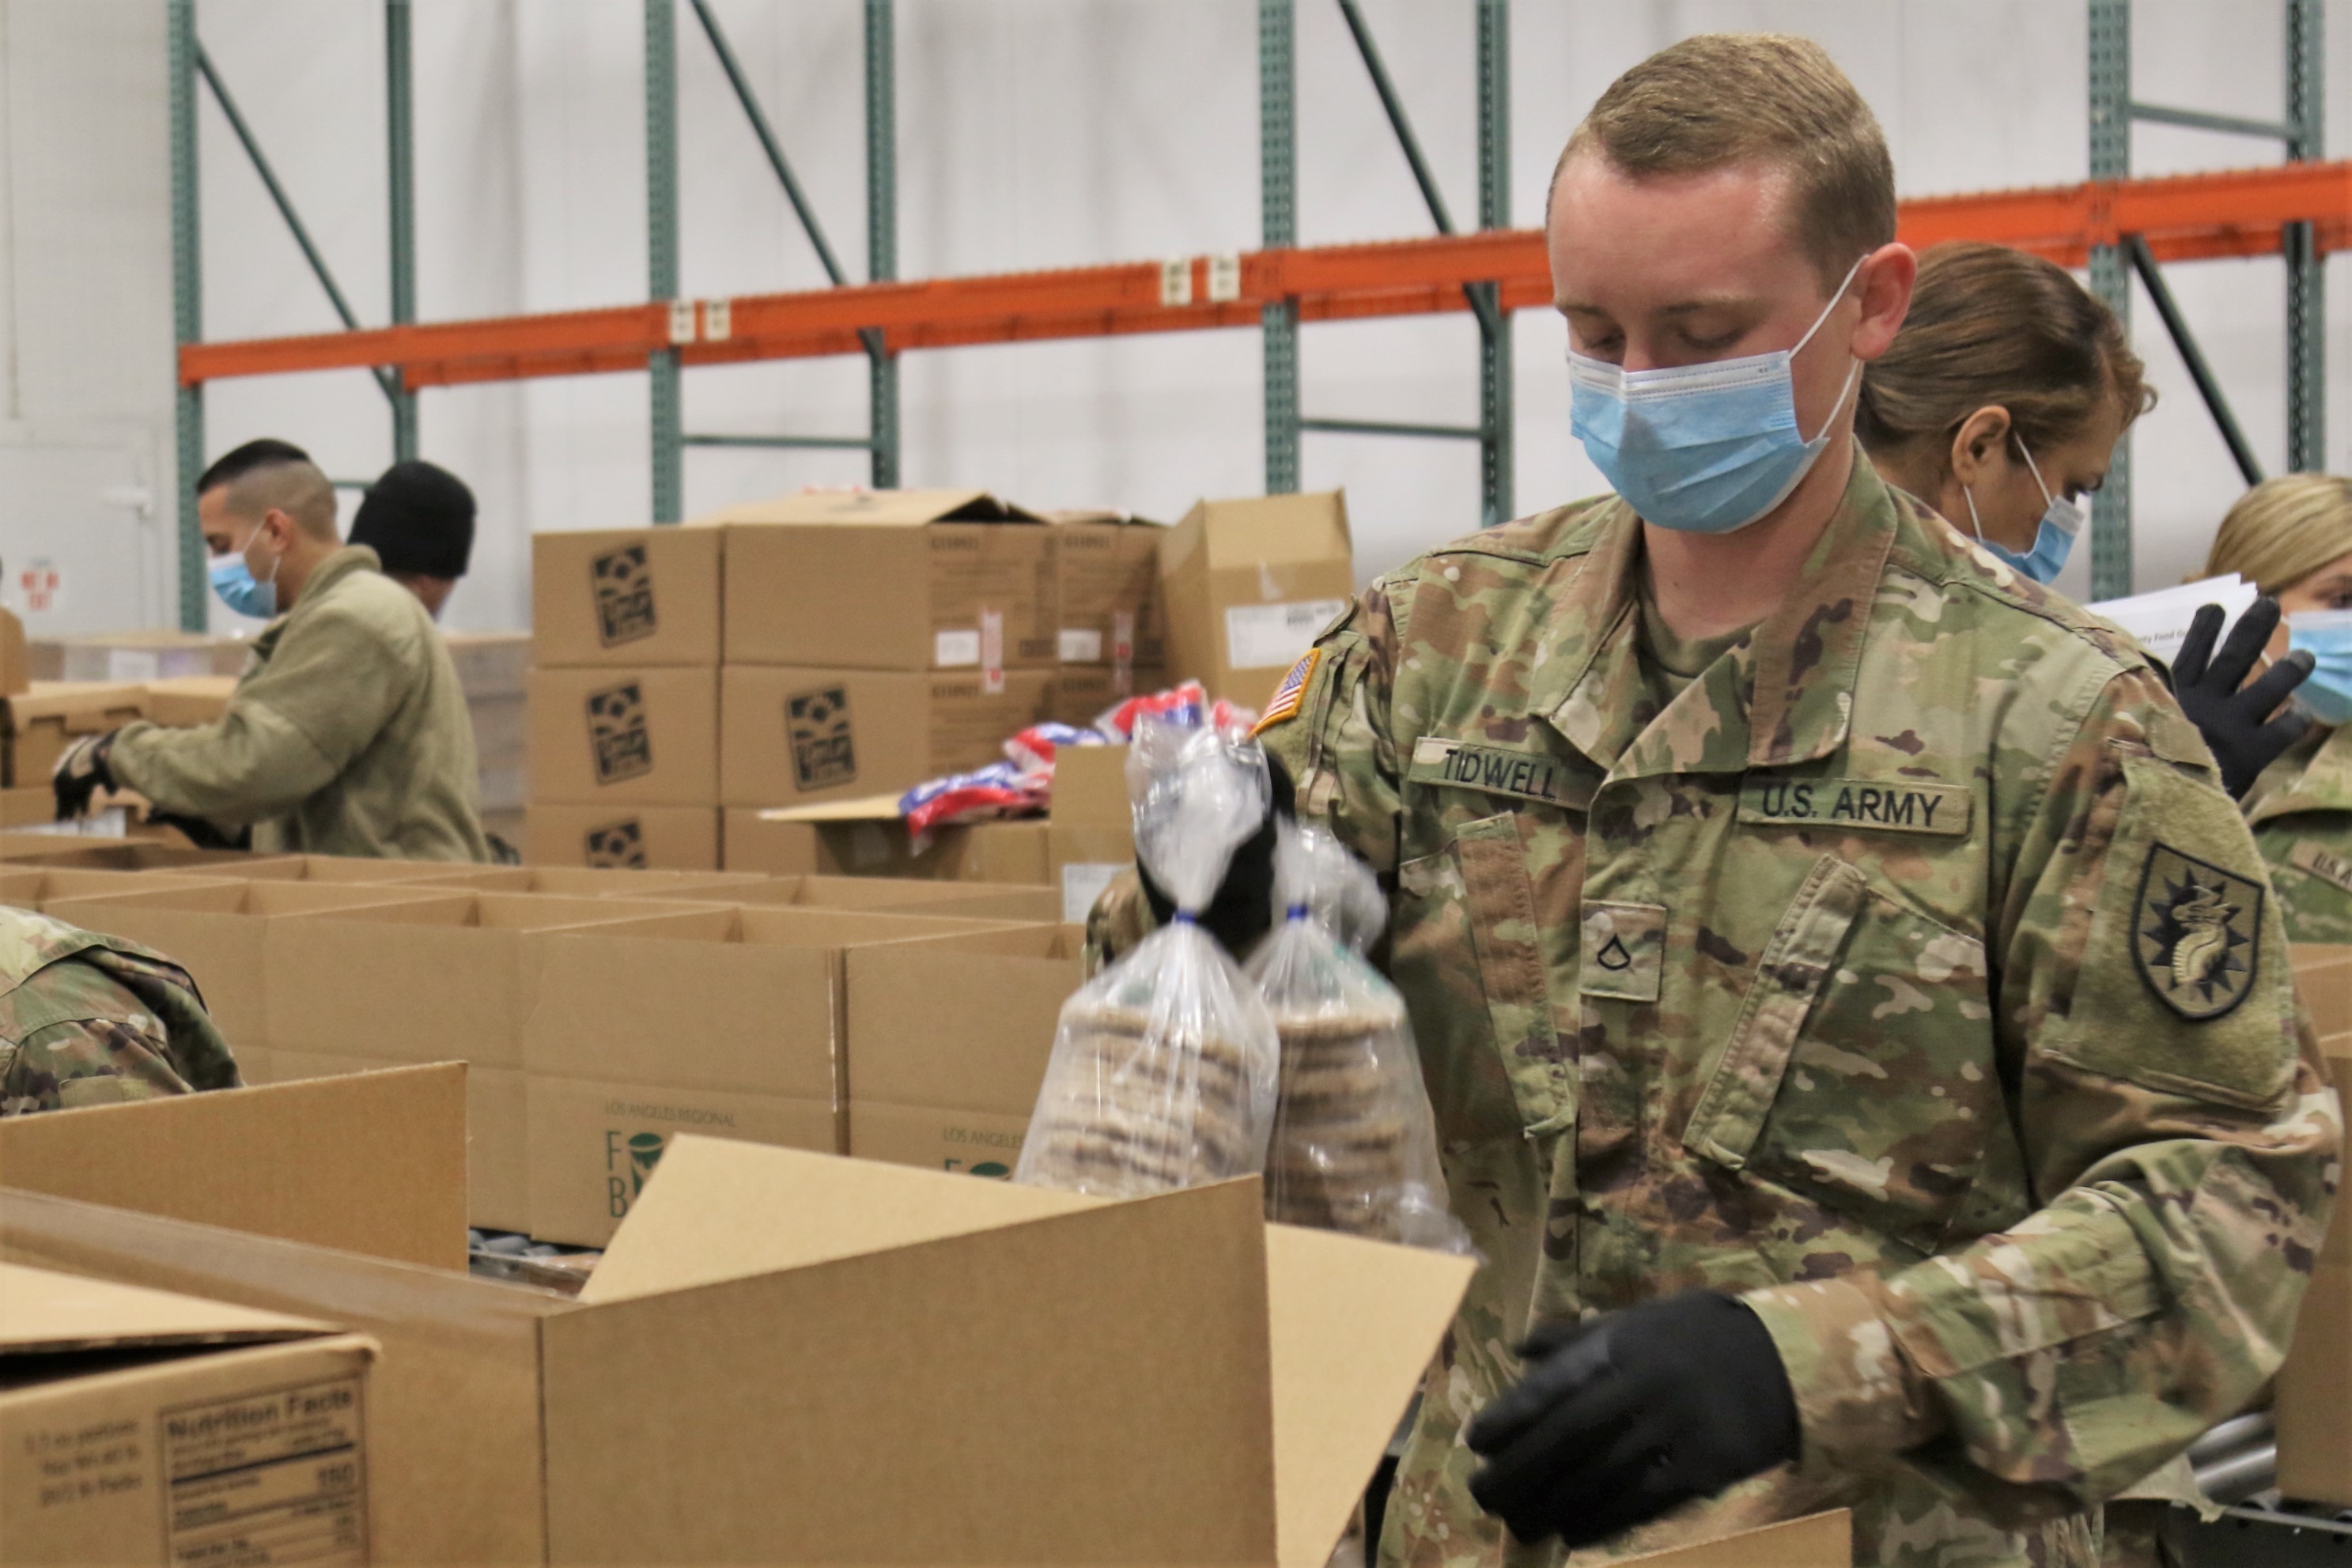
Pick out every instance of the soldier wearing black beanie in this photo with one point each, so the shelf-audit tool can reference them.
(419, 520)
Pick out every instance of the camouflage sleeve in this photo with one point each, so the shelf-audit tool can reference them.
(1332, 734)
(2165, 1091)
(89, 1061)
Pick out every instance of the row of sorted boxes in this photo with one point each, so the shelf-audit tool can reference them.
(604, 1012)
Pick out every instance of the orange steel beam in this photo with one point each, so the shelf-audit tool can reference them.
(2190, 217)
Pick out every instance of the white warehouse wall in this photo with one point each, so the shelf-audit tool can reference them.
(1032, 133)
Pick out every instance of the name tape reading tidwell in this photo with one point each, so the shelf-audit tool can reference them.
(1270, 636)
(267, 1479)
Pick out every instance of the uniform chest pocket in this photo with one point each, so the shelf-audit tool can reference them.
(1860, 1071)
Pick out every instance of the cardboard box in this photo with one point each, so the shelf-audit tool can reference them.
(374, 1164)
(635, 736)
(1090, 837)
(39, 887)
(792, 736)
(138, 656)
(661, 838)
(1248, 584)
(493, 664)
(1083, 692)
(216, 931)
(189, 700)
(868, 838)
(888, 579)
(1107, 589)
(141, 1427)
(41, 723)
(601, 881)
(626, 598)
(497, 1171)
(964, 1143)
(1816, 1541)
(902, 895)
(16, 664)
(781, 1328)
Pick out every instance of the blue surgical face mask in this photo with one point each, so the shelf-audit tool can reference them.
(1701, 449)
(2053, 539)
(2327, 636)
(233, 580)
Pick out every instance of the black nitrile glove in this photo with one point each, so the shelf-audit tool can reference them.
(1624, 1418)
(1243, 910)
(2236, 723)
(81, 773)
(200, 832)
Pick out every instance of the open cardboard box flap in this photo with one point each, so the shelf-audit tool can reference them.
(43, 1312)
(1274, 1362)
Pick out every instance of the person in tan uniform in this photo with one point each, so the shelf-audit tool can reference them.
(348, 734)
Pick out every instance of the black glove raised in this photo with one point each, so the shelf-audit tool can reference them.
(2234, 717)
(1243, 910)
(81, 773)
(1634, 1414)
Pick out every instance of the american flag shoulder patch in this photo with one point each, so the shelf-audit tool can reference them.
(1289, 696)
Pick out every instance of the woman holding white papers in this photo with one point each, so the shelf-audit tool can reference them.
(2292, 538)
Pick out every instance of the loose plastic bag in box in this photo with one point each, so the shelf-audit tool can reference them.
(1355, 1147)
(1163, 1070)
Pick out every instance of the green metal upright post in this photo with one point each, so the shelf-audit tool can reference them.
(400, 143)
(1494, 406)
(2307, 271)
(187, 307)
(882, 228)
(1278, 228)
(2111, 122)
(661, 253)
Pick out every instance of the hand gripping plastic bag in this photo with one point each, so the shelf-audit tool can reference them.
(1355, 1145)
(1163, 1069)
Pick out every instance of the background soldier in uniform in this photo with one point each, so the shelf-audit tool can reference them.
(87, 1019)
(1859, 1027)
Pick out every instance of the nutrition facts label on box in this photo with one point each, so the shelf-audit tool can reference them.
(271, 1478)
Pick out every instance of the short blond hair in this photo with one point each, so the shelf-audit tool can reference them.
(1717, 100)
(2284, 529)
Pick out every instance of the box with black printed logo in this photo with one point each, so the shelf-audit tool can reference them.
(632, 597)
(624, 736)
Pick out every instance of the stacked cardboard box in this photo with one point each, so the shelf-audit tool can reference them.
(1248, 584)
(494, 671)
(1111, 642)
(137, 657)
(875, 639)
(623, 699)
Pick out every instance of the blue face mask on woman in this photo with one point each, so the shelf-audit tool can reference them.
(2053, 539)
(2326, 634)
(1701, 449)
(233, 580)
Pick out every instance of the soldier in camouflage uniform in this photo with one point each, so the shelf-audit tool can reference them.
(1892, 966)
(87, 1019)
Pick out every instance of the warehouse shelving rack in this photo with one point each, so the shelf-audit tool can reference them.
(2111, 224)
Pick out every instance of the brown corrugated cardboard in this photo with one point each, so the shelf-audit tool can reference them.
(660, 838)
(904, 895)
(41, 721)
(966, 1143)
(1816, 1541)
(95, 853)
(868, 838)
(1107, 589)
(781, 1328)
(1247, 585)
(214, 930)
(1091, 836)
(498, 1170)
(1083, 693)
(635, 736)
(39, 887)
(888, 579)
(495, 664)
(373, 1163)
(597, 882)
(189, 701)
(1009, 988)
(138, 656)
(625, 597)
(15, 667)
(140, 1427)
(791, 736)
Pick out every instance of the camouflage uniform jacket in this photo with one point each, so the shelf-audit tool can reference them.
(348, 734)
(2300, 811)
(1909, 974)
(87, 1019)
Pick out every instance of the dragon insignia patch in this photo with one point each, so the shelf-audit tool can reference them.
(2198, 936)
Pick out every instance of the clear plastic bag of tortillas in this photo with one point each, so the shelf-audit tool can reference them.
(1164, 1065)
(1354, 1146)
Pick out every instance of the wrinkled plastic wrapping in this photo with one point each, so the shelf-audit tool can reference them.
(1354, 1146)
(1164, 1066)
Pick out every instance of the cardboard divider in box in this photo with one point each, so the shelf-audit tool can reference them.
(866, 837)
(778, 1329)
(638, 597)
(87, 1366)
(908, 896)
(955, 1100)
(732, 1025)
(216, 931)
(634, 735)
(497, 1171)
(2314, 1386)
(1248, 584)
(791, 735)
(37, 725)
(584, 882)
(641, 838)
(37, 887)
(117, 854)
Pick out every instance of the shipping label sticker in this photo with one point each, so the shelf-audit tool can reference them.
(619, 741)
(624, 587)
(992, 652)
(1080, 646)
(616, 846)
(824, 754)
(1857, 804)
(1269, 636)
(956, 649)
(272, 1476)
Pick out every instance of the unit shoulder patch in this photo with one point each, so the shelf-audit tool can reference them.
(1857, 804)
(2197, 935)
(1291, 695)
